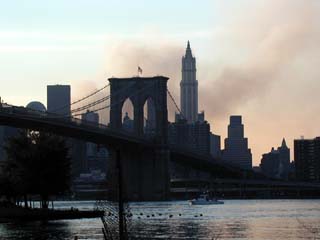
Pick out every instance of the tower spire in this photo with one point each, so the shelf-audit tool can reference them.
(283, 144)
(188, 50)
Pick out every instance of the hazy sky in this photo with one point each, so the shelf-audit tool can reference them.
(257, 58)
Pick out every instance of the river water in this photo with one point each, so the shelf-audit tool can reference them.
(236, 219)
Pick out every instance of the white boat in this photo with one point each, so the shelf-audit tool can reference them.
(204, 199)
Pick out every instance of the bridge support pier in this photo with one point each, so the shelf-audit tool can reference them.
(144, 174)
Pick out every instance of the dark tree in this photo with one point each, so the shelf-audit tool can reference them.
(38, 163)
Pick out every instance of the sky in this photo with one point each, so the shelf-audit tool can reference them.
(259, 59)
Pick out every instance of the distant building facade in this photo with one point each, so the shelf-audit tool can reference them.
(215, 146)
(276, 163)
(192, 136)
(127, 123)
(236, 151)
(59, 99)
(307, 159)
(96, 156)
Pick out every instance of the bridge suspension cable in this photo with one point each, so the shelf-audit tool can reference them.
(110, 105)
(175, 104)
(82, 99)
(101, 100)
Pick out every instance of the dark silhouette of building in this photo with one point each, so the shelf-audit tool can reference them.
(307, 159)
(276, 163)
(96, 156)
(59, 99)
(127, 123)
(192, 136)
(215, 146)
(189, 89)
(236, 151)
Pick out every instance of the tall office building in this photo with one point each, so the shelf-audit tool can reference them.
(189, 87)
(236, 151)
(195, 137)
(59, 99)
(307, 159)
(276, 163)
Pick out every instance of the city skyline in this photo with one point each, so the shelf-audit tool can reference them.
(265, 70)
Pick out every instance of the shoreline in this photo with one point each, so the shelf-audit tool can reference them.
(35, 214)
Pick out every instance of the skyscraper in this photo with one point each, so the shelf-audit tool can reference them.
(236, 151)
(189, 87)
(307, 159)
(58, 99)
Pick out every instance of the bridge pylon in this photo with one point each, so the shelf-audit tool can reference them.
(145, 168)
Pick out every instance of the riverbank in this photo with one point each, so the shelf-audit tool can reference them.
(34, 214)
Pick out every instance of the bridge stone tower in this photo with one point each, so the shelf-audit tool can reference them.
(144, 168)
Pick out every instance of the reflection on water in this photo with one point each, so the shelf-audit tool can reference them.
(236, 219)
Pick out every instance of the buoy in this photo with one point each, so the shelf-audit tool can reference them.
(170, 216)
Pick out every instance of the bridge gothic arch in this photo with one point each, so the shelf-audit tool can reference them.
(140, 90)
(145, 168)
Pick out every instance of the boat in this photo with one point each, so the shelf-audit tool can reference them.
(204, 199)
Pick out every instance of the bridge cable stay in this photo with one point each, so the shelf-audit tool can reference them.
(82, 99)
(175, 104)
(101, 100)
(110, 105)
(88, 106)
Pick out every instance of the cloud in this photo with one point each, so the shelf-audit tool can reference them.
(288, 31)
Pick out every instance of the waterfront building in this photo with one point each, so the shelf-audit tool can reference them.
(236, 151)
(276, 163)
(307, 159)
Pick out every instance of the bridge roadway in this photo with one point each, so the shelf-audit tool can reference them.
(21, 117)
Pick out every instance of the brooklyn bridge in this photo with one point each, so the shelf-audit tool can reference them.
(146, 158)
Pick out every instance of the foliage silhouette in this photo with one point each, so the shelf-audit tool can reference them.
(37, 164)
